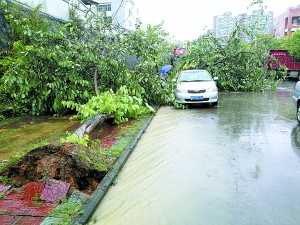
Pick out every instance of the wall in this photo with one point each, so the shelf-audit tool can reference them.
(126, 14)
(283, 23)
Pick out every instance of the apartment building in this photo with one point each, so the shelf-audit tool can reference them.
(264, 22)
(123, 11)
(287, 22)
(223, 25)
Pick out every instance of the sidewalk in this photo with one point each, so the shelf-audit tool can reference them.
(33, 204)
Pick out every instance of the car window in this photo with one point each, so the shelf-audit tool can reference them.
(194, 76)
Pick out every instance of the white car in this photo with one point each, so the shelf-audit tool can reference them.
(296, 99)
(196, 86)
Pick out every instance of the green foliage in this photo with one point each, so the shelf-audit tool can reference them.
(74, 139)
(237, 62)
(12, 159)
(103, 159)
(64, 212)
(4, 180)
(292, 44)
(37, 200)
(6, 102)
(44, 65)
(52, 63)
(92, 221)
(15, 157)
(124, 104)
(152, 47)
(277, 42)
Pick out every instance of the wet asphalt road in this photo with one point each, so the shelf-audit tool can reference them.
(238, 163)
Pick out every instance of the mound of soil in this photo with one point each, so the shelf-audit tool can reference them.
(58, 162)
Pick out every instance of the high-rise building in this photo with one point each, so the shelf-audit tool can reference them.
(264, 22)
(287, 22)
(224, 24)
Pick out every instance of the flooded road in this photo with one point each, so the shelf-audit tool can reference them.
(236, 164)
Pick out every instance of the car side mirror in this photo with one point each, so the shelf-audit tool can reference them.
(216, 78)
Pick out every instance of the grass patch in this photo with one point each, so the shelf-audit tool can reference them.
(92, 155)
(17, 155)
(96, 157)
(103, 159)
(64, 212)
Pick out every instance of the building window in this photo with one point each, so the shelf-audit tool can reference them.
(296, 21)
(286, 23)
(105, 7)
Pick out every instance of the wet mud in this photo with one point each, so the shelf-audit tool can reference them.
(60, 161)
(56, 161)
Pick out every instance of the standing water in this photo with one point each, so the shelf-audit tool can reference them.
(29, 131)
(237, 163)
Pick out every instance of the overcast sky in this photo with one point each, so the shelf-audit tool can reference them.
(186, 19)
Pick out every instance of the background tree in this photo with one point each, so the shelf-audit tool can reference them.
(52, 63)
(56, 65)
(292, 44)
(238, 61)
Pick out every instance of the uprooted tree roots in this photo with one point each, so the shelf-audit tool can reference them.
(55, 161)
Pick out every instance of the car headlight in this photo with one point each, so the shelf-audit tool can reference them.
(180, 90)
(212, 89)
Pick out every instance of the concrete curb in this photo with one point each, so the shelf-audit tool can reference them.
(91, 204)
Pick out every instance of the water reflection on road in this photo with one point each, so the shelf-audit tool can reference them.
(235, 164)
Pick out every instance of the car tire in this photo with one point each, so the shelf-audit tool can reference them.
(277, 75)
(298, 112)
(216, 104)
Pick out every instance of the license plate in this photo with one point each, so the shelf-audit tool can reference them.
(195, 98)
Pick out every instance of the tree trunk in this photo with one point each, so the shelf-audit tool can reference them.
(88, 126)
(95, 82)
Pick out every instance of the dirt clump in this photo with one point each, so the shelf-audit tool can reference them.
(55, 161)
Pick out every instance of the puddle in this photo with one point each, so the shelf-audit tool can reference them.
(28, 131)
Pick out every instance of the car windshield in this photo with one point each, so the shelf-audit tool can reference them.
(194, 76)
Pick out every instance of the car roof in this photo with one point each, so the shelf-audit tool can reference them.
(193, 70)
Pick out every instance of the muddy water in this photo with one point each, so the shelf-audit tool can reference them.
(238, 163)
(29, 131)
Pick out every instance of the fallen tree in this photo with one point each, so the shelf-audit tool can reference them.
(88, 126)
(120, 106)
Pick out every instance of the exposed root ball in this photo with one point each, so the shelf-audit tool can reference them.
(58, 162)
